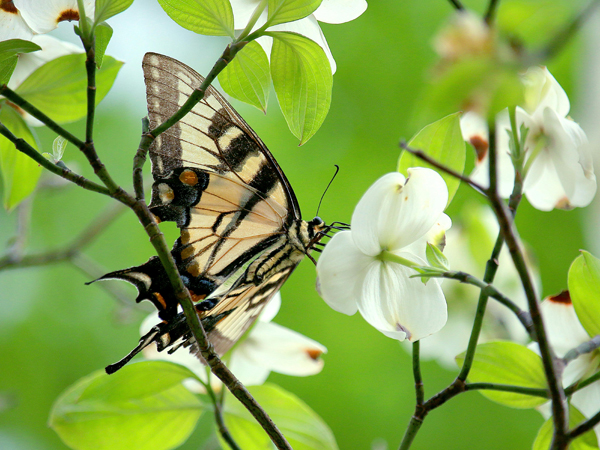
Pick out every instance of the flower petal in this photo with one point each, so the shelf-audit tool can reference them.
(543, 91)
(340, 11)
(309, 27)
(273, 347)
(12, 24)
(562, 325)
(395, 212)
(340, 269)
(271, 309)
(242, 12)
(401, 307)
(44, 16)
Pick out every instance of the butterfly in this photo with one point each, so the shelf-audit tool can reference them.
(242, 234)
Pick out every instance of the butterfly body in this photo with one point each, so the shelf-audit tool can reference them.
(241, 230)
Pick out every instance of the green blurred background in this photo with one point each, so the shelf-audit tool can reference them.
(55, 330)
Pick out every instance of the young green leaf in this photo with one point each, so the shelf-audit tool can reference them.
(58, 88)
(584, 287)
(301, 426)
(20, 173)
(143, 406)
(281, 11)
(436, 258)
(509, 363)
(103, 34)
(7, 67)
(303, 82)
(247, 77)
(108, 8)
(442, 141)
(211, 17)
(587, 441)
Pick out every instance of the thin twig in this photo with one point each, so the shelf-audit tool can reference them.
(586, 347)
(223, 430)
(558, 42)
(584, 427)
(578, 385)
(417, 374)
(422, 155)
(36, 113)
(457, 5)
(61, 171)
(535, 392)
(491, 11)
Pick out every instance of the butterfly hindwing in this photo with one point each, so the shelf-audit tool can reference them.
(241, 230)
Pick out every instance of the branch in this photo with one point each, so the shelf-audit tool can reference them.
(534, 392)
(223, 430)
(586, 347)
(28, 107)
(457, 5)
(67, 174)
(417, 374)
(578, 385)
(491, 11)
(490, 291)
(558, 42)
(584, 427)
(422, 155)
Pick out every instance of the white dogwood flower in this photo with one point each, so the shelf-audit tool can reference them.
(359, 269)
(330, 11)
(558, 162)
(12, 24)
(44, 16)
(268, 347)
(565, 332)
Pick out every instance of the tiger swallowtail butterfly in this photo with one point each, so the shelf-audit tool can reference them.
(241, 230)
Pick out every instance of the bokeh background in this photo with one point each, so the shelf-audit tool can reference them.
(55, 330)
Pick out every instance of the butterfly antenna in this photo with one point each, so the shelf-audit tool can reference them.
(337, 169)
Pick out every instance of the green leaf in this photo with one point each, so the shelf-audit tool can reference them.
(442, 141)
(108, 8)
(436, 258)
(587, 441)
(584, 287)
(143, 406)
(247, 77)
(282, 11)
(59, 87)
(302, 427)
(211, 17)
(508, 363)
(8, 56)
(7, 67)
(20, 173)
(103, 34)
(303, 82)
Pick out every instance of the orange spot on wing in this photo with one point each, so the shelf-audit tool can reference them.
(160, 299)
(189, 177)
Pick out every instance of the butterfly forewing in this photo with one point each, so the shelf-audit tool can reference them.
(241, 230)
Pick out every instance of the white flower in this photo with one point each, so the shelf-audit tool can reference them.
(330, 11)
(268, 347)
(396, 217)
(565, 333)
(468, 248)
(12, 24)
(51, 48)
(465, 35)
(558, 162)
(44, 16)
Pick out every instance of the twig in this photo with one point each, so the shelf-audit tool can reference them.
(578, 385)
(457, 5)
(535, 392)
(223, 430)
(24, 147)
(584, 427)
(28, 107)
(586, 347)
(491, 11)
(561, 39)
(490, 291)
(422, 155)
(417, 374)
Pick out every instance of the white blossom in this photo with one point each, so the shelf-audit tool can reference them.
(12, 24)
(267, 348)
(565, 332)
(330, 11)
(44, 16)
(558, 162)
(395, 217)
